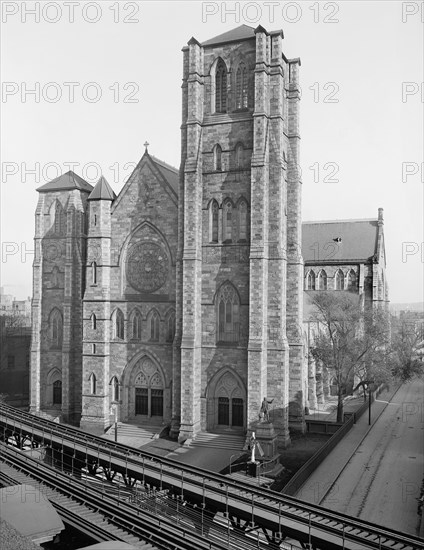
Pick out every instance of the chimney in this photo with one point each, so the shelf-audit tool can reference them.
(380, 216)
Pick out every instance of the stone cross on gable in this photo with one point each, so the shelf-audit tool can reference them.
(146, 145)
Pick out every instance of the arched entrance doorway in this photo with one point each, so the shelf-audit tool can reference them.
(146, 391)
(226, 402)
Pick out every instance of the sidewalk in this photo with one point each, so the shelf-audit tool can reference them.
(320, 483)
(328, 411)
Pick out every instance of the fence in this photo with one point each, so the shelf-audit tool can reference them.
(338, 430)
(312, 464)
(322, 426)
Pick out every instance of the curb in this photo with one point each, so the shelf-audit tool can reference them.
(359, 444)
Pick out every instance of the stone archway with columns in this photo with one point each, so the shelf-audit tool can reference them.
(145, 395)
(226, 402)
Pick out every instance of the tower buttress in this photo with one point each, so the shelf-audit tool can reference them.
(298, 368)
(97, 311)
(192, 253)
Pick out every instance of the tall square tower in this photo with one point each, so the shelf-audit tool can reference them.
(240, 269)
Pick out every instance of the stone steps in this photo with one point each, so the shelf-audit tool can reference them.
(234, 442)
(134, 430)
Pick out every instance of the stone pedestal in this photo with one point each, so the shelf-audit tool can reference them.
(252, 468)
(266, 436)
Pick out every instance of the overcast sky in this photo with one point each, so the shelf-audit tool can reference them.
(107, 77)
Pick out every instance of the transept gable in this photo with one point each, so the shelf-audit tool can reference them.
(150, 177)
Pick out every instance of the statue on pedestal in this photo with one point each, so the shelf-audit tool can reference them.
(264, 411)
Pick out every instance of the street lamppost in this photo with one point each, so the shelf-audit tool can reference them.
(114, 411)
(368, 383)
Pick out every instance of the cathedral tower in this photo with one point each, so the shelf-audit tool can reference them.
(58, 282)
(240, 242)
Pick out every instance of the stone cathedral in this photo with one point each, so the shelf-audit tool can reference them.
(179, 301)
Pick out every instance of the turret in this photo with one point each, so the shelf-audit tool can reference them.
(96, 310)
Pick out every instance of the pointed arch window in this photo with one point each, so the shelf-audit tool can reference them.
(228, 305)
(241, 87)
(136, 325)
(228, 222)
(310, 281)
(242, 219)
(56, 329)
(214, 221)
(221, 87)
(217, 158)
(55, 277)
(154, 324)
(170, 327)
(93, 321)
(118, 325)
(351, 280)
(59, 219)
(322, 280)
(114, 386)
(339, 280)
(57, 392)
(239, 157)
(93, 273)
(93, 383)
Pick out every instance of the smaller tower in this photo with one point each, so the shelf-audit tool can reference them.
(57, 292)
(96, 311)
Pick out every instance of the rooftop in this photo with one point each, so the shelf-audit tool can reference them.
(102, 190)
(339, 240)
(243, 32)
(66, 182)
(170, 173)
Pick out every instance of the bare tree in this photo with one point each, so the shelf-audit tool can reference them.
(407, 357)
(350, 340)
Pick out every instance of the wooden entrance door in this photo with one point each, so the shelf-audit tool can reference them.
(141, 401)
(223, 411)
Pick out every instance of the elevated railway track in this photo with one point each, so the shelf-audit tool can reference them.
(246, 508)
(102, 516)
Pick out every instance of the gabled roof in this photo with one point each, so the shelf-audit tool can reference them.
(65, 182)
(339, 240)
(170, 173)
(102, 191)
(243, 32)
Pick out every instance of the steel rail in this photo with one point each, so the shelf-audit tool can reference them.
(162, 533)
(94, 531)
(157, 505)
(289, 507)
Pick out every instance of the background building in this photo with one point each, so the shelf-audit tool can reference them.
(341, 256)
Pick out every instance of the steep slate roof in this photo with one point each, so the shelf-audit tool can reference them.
(67, 181)
(170, 173)
(102, 190)
(243, 32)
(358, 240)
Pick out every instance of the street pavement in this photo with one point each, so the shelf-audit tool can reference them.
(375, 472)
